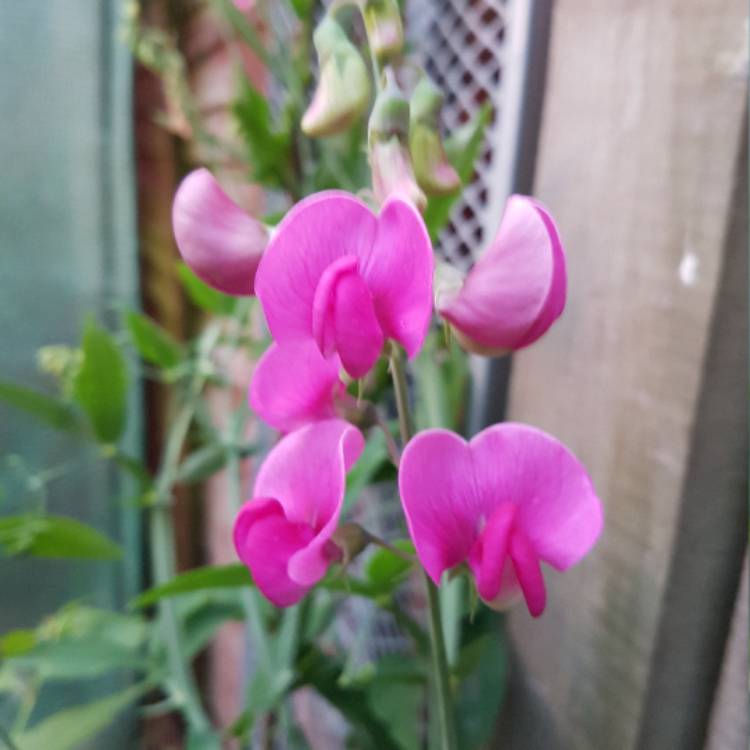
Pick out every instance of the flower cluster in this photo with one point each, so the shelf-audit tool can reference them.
(337, 282)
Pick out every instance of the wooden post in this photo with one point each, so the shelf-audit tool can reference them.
(645, 376)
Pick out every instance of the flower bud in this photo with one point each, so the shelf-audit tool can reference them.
(434, 173)
(351, 539)
(385, 32)
(515, 291)
(343, 91)
(220, 242)
(392, 172)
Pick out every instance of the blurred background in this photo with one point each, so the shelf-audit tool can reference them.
(629, 120)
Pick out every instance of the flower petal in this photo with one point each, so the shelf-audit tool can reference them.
(306, 473)
(438, 495)
(398, 269)
(516, 290)
(318, 231)
(216, 238)
(344, 318)
(558, 509)
(293, 384)
(265, 541)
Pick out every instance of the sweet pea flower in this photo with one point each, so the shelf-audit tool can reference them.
(347, 279)
(508, 500)
(294, 384)
(283, 535)
(516, 290)
(220, 242)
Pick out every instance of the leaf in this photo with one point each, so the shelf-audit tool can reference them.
(385, 569)
(323, 671)
(77, 658)
(67, 729)
(55, 537)
(482, 668)
(462, 148)
(202, 463)
(153, 343)
(17, 642)
(101, 384)
(269, 149)
(200, 579)
(303, 8)
(374, 455)
(52, 411)
(202, 295)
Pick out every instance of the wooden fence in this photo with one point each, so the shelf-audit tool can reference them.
(643, 160)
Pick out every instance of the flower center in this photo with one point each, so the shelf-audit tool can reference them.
(503, 549)
(344, 319)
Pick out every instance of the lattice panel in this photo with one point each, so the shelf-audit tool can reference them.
(462, 45)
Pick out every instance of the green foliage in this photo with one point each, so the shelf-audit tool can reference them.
(199, 579)
(268, 144)
(54, 537)
(67, 729)
(482, 670)
(153, 343)
(462, 148)
(323, 671)
(202, 295)
(373, 457)
(100, 386)
(52, 411)
(385, 569)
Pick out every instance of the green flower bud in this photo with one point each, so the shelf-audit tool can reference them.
(343, 91)
(388, 137)
(434, 173)
(385, 32)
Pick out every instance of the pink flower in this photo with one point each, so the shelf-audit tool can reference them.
(511, 498)
(284, 533)
(339, 275)
(516, 290)
(294, 384)
(216, 238)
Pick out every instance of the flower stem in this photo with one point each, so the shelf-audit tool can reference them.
(161, 533)
(439, 661)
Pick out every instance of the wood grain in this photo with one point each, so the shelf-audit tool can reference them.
(639, 149)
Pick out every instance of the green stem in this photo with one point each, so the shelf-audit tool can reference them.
(439, 660)
(161, 533)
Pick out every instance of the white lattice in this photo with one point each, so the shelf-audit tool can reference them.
(463, 45)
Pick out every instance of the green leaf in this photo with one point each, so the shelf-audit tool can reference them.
(76, 659)
(206, 615)
(462, 148)
(55, 537)
(482, 668)
(385, 569)
(323, 672)
(202, 295)
(200, 579)
(68, 729)
(269, 148)
(17, 642)
(153, 343)
(202, 463)
(48, 409)
(397, 702)
(303, 8)
(101, 384)
(372, 459)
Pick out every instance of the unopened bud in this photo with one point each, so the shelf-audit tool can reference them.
(351, 539)
(385, 32)
(392, 172)
(434, 173)
(343, 91)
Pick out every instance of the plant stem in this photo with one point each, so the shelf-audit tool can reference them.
(161, 533)
(439, 661)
